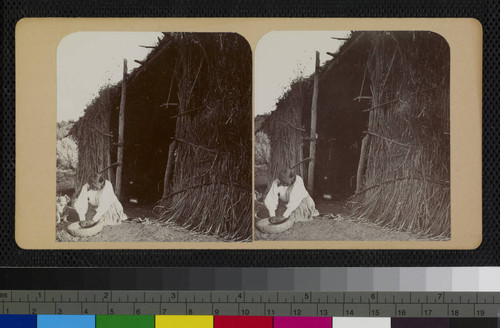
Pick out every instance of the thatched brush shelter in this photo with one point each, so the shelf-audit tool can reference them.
(383, 129)
(341, 122)
(406, 180)
(187, 133)
(286, 129)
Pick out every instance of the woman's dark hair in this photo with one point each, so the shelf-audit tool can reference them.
(96, 181)
(286, 177)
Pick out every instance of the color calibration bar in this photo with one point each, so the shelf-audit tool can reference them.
(417, 279)
(90, 321)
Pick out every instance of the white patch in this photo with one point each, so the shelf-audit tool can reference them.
(81, 203)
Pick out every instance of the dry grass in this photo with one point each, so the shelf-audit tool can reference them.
(91, 135)
(284, 130)
(212, 178)
(262, 149)
(211, 186)
(406, 184)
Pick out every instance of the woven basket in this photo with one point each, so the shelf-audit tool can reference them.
(77, 230)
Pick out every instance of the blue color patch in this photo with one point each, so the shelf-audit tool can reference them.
(17, 321)
(66, 321)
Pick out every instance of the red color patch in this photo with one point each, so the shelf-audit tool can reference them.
(242, 322)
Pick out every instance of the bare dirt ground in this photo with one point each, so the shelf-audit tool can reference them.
(338, 226)
(341, 227)
(134, 231)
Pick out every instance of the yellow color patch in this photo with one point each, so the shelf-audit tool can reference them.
(184, 321)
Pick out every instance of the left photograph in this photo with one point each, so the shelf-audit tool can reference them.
(154, 137)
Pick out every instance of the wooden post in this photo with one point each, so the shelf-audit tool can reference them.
(312, 145)
(121, 122)
(170, 166)
(364, 151)
(108, 141)
(362, 161)
(108, 163)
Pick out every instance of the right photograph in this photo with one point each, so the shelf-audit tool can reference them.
(352, 136)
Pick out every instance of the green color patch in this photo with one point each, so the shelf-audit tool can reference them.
(125, 321)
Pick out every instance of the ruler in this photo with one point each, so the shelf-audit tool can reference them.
(252, 303)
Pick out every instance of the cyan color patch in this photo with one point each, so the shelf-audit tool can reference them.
(65, 321)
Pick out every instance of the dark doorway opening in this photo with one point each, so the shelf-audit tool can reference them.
(343, 95)
(152, 102)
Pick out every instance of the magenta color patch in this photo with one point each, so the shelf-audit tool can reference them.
(302, 322)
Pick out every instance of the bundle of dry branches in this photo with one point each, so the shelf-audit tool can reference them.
(286, 132)
(211, 187)
(92, 134)
(406, 182)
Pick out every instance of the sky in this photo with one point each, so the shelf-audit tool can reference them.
(88, 61)
(282, 56)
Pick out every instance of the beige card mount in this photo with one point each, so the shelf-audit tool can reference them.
(383, 134)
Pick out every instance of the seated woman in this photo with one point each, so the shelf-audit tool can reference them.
(99, 192)
(289, 188)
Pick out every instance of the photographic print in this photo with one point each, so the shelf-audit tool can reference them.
(248, 133)
(154, 137)
(352, 136)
